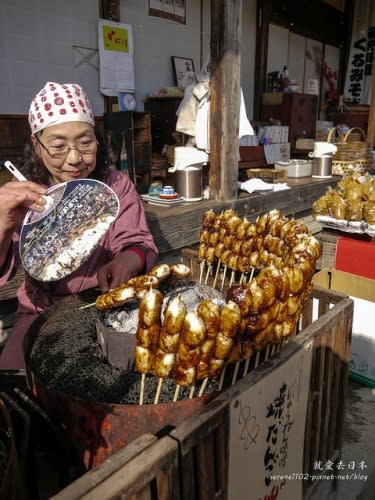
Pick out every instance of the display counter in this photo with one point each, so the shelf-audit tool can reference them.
(176, 227)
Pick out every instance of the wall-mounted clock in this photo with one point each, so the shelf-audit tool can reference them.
(127, 101)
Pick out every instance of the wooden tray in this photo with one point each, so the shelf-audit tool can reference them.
(268, 174)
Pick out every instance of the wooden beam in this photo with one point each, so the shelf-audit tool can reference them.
(261, 53)
(109, 9)
(225, 98)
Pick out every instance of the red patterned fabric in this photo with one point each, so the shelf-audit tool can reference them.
(59, 103)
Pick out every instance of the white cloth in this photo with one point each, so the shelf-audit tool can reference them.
(194, 115)
(187, 156)
(202, 124)
(252, 185)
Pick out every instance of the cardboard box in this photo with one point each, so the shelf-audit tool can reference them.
(277, 152)
(362, 291)
(252, 153)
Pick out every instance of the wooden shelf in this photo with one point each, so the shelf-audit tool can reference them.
(136, 126)
(163, 120)
(298, 111)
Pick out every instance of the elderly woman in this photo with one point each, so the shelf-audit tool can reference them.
(64, 147)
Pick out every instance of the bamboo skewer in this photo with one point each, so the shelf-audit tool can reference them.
(142, 391)
(273, 349)
(216, 274)
(203, 386)
(242, 278)
(257, 359)
(87, 306)
(223, 279)
(232, 275)
(222, 377)
(267, 353)
(176, 392)
(201, 272)
(191, 393)
(158, 390)
(235, 373)
(208, 273)
(246, 367)
(251, 274)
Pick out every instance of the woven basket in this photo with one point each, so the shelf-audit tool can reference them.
(351, 154)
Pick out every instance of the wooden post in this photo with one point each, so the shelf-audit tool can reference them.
(371, 116)
(109, 9)
(225, 98)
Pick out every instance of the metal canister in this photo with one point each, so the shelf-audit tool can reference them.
(189, 182)
(322, 167)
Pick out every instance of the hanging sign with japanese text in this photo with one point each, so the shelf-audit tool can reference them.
(267, 431)
(361, 57)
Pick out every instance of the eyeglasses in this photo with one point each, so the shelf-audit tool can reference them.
(86, 147)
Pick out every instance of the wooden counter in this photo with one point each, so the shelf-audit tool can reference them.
(176, 227)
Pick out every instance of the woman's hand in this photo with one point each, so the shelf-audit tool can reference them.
(16, 198)
(123, 267)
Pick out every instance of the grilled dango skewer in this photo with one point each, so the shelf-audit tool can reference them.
(115, 298)
(169, 339)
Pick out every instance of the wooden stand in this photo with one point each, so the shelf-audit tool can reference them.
(193, 461)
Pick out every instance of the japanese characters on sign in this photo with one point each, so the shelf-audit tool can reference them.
(358, 79)
(361, 64)
(267, 427)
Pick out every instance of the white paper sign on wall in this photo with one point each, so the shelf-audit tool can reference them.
(116, 51)
(313, 86)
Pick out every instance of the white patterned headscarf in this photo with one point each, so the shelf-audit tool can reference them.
(59, 103)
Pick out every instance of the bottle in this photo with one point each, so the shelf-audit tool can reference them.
(124, 164)
(286, 80)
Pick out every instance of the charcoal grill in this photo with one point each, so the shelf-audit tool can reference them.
(95, 404)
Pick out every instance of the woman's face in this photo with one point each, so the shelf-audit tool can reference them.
(67, 150)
